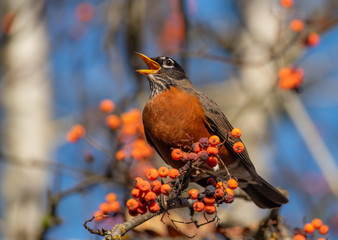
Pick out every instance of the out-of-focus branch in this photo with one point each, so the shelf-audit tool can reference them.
(314, 142)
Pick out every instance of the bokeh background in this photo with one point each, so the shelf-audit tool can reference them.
(59, 59)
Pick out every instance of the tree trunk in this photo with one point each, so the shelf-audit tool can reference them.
(26, 97)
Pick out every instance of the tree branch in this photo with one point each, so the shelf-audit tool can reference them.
(120, 230)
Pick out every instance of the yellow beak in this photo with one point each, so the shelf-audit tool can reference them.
(153, 66)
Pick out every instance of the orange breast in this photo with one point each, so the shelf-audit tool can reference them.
(174, 118)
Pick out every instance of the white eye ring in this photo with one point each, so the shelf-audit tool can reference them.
(168, 63)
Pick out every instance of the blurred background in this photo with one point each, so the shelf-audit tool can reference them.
(60, 59)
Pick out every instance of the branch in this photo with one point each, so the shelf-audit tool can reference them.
(314, 142)
(120, 230)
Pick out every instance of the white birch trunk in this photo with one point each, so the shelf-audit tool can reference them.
(26, 99)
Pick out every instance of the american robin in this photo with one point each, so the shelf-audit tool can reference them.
(176, 110)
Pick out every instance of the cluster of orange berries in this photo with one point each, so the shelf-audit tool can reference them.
(145, 192)
(206, 149)
(311, 39)
(76, 132)
(290, 77)
(111, 205)
(130, 125)
(310, 228)
(214, 193)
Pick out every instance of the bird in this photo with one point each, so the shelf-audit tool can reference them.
(176, 111)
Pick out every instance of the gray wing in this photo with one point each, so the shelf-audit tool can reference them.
(219, 125)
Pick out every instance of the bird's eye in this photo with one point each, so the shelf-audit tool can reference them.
(168, 63)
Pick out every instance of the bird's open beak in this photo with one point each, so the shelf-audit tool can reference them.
(153, 66)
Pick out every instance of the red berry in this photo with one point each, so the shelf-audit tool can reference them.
(212, 162)
(156, 186)
(154, 207)
(214, 140)
(165, 189)
(198, 206)
(132, 204)
(209, 209)
(176, 154)
(150, 196)
(193, 193)
(236, 133)
(232, 183)
(238, 147)
(136, 193)
(174, 173)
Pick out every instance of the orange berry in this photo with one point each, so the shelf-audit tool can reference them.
(104, 207)
(144, 186)
(238, 147)
(154, 207)
(321, 238)
(136, 181)
(150, 196)
(232, 183)
(209, 209)
(286, 3)
(221, 185)
(111, 197)
(198, 206)
(316, 222)
(176, 154)
(137, 154)
(156, 186)
(163, 172)
(120, 155)
(214, 140)
(165, 189)
(236, 133)
(107, 106)
(229, 191)
(323, 229)
(84, 12)
(212, 162)
(284, 72)
(309, 228)
(298, 237)
(72, 137)
(174, 173)
(136, 193)
(196, 147)
(98, 216)
(133, 213)
(79, 130)
(312, 39)
(209, 200)
(142, 210)
(114, 207)
(152, 174)
(212, 151)
(219, 193)
(193, 193)
(297, 25)
(129, 129)
(113, 121)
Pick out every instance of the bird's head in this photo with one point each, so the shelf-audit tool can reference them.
(163, 73)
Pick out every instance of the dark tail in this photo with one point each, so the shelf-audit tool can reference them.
(264, 195)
